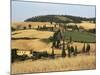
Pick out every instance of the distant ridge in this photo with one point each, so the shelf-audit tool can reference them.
(59, 19)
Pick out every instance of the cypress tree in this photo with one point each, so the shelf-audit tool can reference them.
(88, 48)
(75, 51)
(52, 54)
(83, 49)
(72, 49)
(63, 50)
(69, 53)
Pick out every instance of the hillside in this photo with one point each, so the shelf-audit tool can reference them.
(59, 19)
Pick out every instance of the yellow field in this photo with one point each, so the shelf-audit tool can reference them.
(84, 24)
(79, 62)
(33, 24)
(59, 64)
(32, 34)
(87, 25)
(36, 44)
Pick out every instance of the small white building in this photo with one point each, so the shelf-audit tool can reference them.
(24, 52)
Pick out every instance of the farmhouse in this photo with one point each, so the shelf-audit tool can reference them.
(24, 52)
(21, 52)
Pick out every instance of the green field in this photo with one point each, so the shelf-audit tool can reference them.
(81, 36)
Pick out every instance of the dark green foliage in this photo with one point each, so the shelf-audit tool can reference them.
(38, 55)
(52, 54)
(13, 55)
(47, 18)
(74, 27)
(22, 57)
(63, 50)
(70, 26)
(88, 48)
(45, 28)
(72, 49)
(13, 29)
(75, 51)
(47, 40)
(80, 36)
(57, 37)
(69, 50)
(93, 20)
(83, 49)
(54, 18)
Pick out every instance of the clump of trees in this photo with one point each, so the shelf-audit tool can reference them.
(71, 50)
(54, 18)
(13, 29)
(57, 37)
(38, 55)
(86, 49)
(13, 55)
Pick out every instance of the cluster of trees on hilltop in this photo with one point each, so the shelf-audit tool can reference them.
(54, 18)
(48, 18)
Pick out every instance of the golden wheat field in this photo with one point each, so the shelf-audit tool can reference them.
(87, 25)
(60, 64)
(37, 44)
(84, 24)
(79, 62)
(33, 24)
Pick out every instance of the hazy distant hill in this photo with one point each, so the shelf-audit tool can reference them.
(59, 19)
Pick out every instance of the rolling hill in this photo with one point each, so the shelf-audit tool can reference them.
(59, 19)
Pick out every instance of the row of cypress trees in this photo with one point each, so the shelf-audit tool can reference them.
(71, 49)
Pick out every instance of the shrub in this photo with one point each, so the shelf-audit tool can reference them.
(13, 29)
(29, 26)
(24, 28)
(72, 49)
(23, 57)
